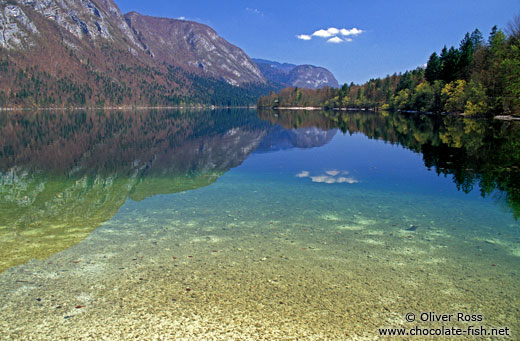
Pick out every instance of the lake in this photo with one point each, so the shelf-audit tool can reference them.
(239, 224)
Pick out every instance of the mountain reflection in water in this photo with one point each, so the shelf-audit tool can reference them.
(63, 174)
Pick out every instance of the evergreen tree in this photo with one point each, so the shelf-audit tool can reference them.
(449, 63)
(465, 59)
(477, 39)
(433, 68)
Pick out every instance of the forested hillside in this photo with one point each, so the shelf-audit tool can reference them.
(480, 77)
(72, 53)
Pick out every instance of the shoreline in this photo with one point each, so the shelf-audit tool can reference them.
(496, 117)
(214, 107)
(506, 118)
(318, 108)
(124, 107)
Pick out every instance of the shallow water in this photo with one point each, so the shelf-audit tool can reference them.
(250, 230)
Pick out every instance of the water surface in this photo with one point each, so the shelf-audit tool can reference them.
(229, 224)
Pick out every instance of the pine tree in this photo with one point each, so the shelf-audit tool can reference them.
(449, 63)
(433, 68)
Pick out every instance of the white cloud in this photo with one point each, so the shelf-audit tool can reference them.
(333, 30)
(322, 34)
(333, 34)
(181, 18)
(350, 32)
(335, 40)
(304, 37)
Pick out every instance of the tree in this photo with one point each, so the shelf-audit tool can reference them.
(496, 82)
(465, 60)
(402, 99)
(433, 68)
(449, 64)
(423, 98)
(477, 99)
(511, 74)
(405, 82)
(477, 39)
(454, 96)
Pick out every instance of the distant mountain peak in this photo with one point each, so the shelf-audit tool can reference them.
(303, 76)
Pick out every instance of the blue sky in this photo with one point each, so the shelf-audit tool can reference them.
(396, 35)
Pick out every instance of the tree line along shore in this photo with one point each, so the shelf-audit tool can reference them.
(480, 77)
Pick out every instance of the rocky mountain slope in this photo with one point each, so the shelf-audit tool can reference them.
(194, 47)
(302, 76)
(83, 53)
(81, 19)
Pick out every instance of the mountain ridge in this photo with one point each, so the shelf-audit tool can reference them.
(194, 47)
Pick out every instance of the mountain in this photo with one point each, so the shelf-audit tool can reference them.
(313, 77)
(302, 76)
(57, 53)
(194, 47)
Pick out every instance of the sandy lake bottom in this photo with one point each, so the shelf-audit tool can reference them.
(270, 259)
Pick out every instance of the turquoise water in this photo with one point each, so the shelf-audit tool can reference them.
(254, 231)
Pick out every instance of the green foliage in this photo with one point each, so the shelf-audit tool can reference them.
(476, 103)
(402, 99)
(454, 96)
(424, 97)
(511, 71)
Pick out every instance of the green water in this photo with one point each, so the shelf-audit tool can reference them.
(229, 225)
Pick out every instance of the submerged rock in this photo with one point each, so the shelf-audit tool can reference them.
(412, 228)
